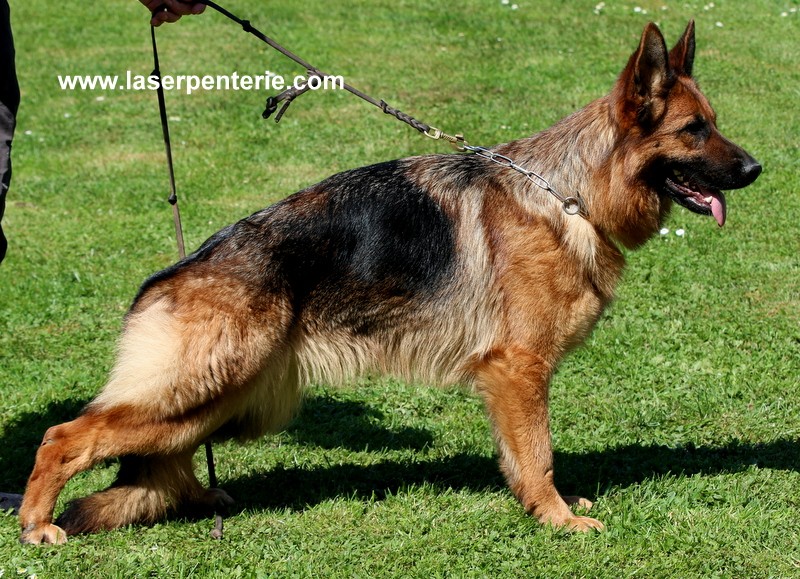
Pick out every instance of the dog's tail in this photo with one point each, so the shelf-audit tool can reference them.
(146, 489)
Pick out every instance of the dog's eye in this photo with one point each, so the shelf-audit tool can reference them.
(696, 127)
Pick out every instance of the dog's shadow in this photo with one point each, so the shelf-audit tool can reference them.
(327, 423)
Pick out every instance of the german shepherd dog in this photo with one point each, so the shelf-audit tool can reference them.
(439, 268)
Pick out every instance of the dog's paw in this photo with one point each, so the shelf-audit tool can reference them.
(580, 502)
(582, 524)
(561, 517)
(43, 533)
(579, 523)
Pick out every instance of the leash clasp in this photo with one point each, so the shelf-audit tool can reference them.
(433, 133)
(457, 141)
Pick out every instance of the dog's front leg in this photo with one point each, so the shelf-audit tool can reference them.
(514, 384)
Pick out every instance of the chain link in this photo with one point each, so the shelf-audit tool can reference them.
(573, 205)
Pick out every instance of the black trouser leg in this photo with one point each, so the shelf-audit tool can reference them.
(9, 101)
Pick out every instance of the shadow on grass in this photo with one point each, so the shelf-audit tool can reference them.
(623, 466)
(327, 422)
(22, 436)
(576, 473)
(330, 423)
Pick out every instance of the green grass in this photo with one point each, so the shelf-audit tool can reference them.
(680, 416)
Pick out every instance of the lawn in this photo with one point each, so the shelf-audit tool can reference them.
(679, 417)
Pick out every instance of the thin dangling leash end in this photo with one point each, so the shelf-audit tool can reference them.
(288, 96)
(270, 107)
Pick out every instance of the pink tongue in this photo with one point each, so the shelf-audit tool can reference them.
(719, 208)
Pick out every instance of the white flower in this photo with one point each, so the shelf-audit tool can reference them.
(664, 231)
(680, 232)
(100, 99)
(718, 24)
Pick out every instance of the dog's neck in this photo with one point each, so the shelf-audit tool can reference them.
(572, 153)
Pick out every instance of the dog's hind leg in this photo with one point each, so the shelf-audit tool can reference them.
(185, 368)
(146, 489)
(514, 384)
(65, 451)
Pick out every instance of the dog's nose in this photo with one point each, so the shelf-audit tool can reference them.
(751, 169)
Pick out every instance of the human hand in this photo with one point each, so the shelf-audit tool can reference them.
(171, 10)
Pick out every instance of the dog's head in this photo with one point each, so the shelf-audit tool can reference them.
(670, 123)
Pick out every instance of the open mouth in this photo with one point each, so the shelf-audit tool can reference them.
(696, 196)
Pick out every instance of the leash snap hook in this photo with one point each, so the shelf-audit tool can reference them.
(433, 133)
(457, 141)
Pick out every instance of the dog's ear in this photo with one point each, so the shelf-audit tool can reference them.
(642, 87)
(650, 63)
(681, 57)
